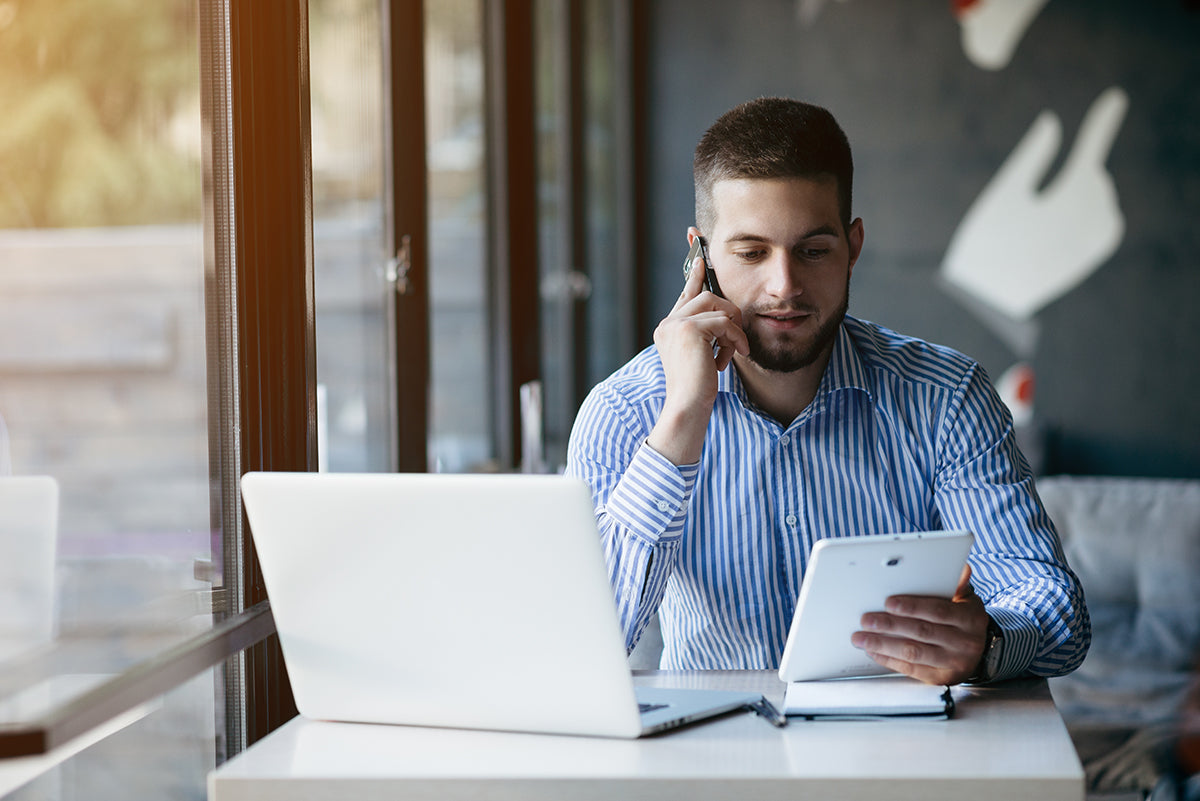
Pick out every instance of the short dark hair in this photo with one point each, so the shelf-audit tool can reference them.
(772, 137)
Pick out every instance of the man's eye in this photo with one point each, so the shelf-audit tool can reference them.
(749, 255)
(813, 254)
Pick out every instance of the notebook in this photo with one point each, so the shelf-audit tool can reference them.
(464, 601)
(867, 698)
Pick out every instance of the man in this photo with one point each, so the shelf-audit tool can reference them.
(764, 418)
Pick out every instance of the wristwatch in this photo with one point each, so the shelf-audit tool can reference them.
(989, 663)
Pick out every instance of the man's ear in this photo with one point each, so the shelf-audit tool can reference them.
(692, 233)
(854, 237)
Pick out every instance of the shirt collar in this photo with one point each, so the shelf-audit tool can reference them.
(845, 369)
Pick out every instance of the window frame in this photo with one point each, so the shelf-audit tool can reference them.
(512, 253)
(261, 278)
(407, 228)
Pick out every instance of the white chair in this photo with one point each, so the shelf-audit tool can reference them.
(28, 539)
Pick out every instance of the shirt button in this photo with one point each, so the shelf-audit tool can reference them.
(785, 439)
(663, 506)
(791, 520)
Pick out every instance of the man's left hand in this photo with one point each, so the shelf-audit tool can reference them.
(935, 640)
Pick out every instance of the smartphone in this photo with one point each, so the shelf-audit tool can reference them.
(700, 248)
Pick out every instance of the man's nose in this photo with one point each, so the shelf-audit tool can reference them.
(783, 276)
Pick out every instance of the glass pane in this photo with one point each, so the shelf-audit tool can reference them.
(346, 74)
(103, 368)
(579, 294)
(601, 159)
(454, 96)
(160, 750)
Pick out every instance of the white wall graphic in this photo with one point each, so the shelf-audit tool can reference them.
(1020, 247)
(1026, 241)
(991, 29)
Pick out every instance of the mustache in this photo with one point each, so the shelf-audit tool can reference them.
(793, 307)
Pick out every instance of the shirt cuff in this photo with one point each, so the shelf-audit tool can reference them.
(1021, 639)
(651, 498)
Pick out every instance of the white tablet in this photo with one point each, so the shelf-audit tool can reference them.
(847, 577)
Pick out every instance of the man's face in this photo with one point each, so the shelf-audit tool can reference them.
(783, 256)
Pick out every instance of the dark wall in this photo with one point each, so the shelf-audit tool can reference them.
(1116, 357)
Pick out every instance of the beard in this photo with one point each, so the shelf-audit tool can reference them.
(788, 357)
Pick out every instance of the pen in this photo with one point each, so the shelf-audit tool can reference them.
(765, 709)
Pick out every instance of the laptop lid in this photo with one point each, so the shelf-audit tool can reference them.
(467, 601)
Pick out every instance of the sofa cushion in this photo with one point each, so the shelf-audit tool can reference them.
(1135, 545)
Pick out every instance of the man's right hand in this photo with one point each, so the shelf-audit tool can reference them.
(699, 323)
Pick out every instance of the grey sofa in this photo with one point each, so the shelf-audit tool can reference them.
(1135, 544)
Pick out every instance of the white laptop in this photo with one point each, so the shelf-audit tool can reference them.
(464, 601)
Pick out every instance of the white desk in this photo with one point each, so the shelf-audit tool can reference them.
(1007, 742)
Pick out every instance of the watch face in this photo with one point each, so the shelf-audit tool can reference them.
(993, 657)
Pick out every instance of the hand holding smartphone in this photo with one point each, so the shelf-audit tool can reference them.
(695, 321)
(700, 248)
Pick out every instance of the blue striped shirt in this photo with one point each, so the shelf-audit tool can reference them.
(902, 435)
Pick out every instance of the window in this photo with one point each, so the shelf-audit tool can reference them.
(318, 250)
(103, 381)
